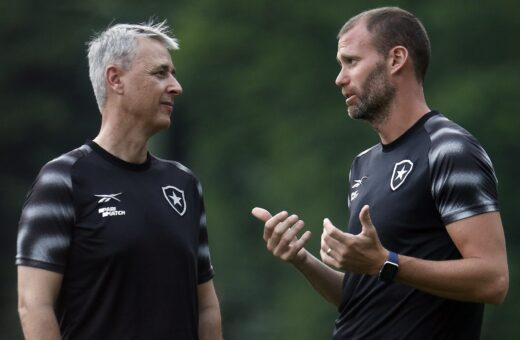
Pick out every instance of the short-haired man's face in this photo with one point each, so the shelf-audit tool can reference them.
(150, 86)
(363, 77)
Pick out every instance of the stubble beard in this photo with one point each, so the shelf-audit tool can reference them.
(373, 103)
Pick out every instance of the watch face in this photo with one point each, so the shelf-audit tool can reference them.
(388, 271)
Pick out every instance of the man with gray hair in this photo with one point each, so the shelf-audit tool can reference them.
(112, 241)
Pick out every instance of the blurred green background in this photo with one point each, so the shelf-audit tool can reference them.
(260, 123)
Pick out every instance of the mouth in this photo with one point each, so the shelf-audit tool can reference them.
(167, 104)
(350, 99)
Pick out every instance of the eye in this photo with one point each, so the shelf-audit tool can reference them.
(161, 74)
(350, 61)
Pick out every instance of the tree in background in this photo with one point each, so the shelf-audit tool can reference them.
(262, 124)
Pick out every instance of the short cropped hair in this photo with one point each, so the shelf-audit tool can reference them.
(393, 26)
(118, 45)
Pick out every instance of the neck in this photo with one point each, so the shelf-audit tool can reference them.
(123, 137)
(407, 108)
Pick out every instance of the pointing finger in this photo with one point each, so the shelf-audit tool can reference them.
(262, 214)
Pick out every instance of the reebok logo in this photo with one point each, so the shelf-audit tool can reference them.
(107, 197)
(357, 184)
(109, 211)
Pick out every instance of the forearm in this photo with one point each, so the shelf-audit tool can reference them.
(468, 279)
(39, 323)
(280, 235)
(210, 326)
(481, 275)
(325, 280)
(37, 292)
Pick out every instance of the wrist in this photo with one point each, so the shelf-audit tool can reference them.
(300, 258)
(378, 264)
(389, 268)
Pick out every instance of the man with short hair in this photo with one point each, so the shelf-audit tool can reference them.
(112, 241)
(425, 246)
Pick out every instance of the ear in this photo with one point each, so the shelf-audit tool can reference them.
(113, 75)
(397, 58)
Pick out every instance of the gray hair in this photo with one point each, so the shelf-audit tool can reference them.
(118, 45)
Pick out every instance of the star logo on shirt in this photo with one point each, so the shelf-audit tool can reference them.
(401, 173)
(401, 170)
(175, 197)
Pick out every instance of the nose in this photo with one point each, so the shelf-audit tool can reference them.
(174, 87)
(342, 78)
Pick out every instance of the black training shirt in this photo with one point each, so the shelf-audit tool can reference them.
(129, 239)
(436, 173)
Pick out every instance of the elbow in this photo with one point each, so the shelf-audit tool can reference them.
(28, 308)
(502, 287)
(497, 290)
(23, 309)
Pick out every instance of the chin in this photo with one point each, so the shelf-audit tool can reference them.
(165, 124)
(353, 113)
(165, 119)
(161, 124)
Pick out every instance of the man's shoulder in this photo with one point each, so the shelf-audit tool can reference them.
(171, 165)
(63, 163)
(373, 148)
(454, 150)
(450, 139)
(443, 130)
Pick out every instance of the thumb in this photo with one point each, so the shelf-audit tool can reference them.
(328, 226)
(262, 214)
(366, 221)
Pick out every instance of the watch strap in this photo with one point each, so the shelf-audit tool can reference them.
(393, 257)
(390, 267)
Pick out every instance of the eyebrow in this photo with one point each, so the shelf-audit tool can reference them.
(346, 56)
(165, 67)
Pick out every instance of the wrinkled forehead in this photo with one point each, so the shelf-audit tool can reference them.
(150, 49)
(358, 37)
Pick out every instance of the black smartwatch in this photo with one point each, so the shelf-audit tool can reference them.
(390, 268)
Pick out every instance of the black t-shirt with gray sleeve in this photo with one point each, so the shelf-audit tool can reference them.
(436, 173)
(129, 239)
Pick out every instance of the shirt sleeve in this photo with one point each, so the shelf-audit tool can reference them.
(463, 181)
(205, 267)
(48, 214)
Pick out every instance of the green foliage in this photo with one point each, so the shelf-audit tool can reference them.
(260, 122)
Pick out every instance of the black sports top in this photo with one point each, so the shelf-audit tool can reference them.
(434, 174)
(129, 239)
